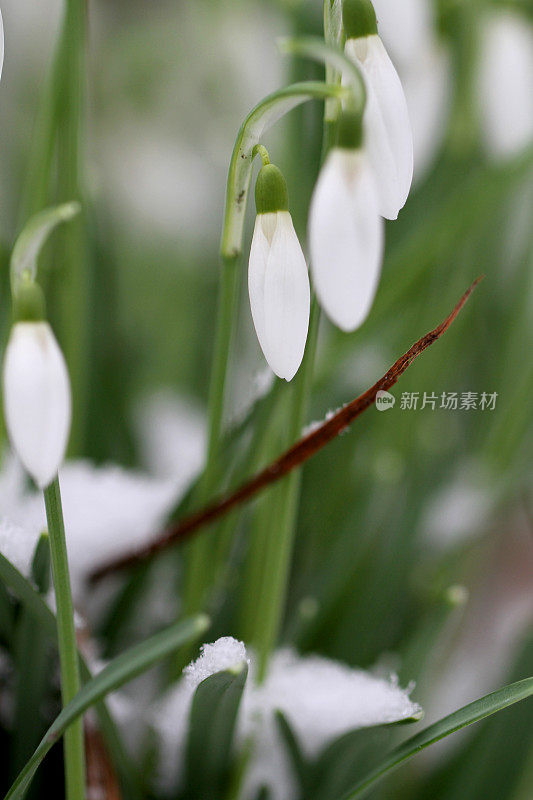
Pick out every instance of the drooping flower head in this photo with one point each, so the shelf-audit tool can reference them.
(278, 280)
(389, 139)
(346, 230)
(37, 401)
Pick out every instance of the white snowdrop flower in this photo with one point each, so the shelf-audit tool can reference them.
(346, 237)
(388, 135)
(506, 83)
(278, 281)
(37, 401)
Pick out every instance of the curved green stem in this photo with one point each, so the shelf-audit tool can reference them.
(259, 120)
(279, 544)
(66, 634)
(201, 564)
(260, 150)
(316, 49)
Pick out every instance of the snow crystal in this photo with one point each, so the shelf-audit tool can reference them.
(223, 654)
(313, 426)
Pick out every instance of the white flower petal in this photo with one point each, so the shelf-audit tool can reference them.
(278, 284)
(257, 265)
(388, 135)
(37, 402)
(346, 239)
(506, 83)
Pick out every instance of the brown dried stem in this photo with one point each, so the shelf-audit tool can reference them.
(297, 455)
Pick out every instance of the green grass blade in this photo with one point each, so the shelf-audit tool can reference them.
(299, 763)
(120, 671)
(468, 715)
(35, 605)
(212, 725)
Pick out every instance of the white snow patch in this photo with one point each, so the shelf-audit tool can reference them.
(172, 434)
(108, 512)
(322, 699)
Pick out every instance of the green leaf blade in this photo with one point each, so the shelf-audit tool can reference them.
(468, 715)
(211, 730)
(121, 670)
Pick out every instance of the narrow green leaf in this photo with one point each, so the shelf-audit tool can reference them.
(212, 725)
(349, 757)
(34, 235)
(120, 671)
(300, 765)
(34, 604)
(346, 760)
(32, 674)
(40, 565)
(468, 715)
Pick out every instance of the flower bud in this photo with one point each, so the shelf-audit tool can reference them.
(278, 281)
(346, 237)
(271, 193)
(37, 402)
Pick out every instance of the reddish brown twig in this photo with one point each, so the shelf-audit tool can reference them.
(302, 451)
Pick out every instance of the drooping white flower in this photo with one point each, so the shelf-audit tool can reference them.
(388, 135)
(278, 281)
(37, 401)
(505, 83)
(346, 238)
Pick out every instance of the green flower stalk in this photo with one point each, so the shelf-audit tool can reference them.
(37, 404)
